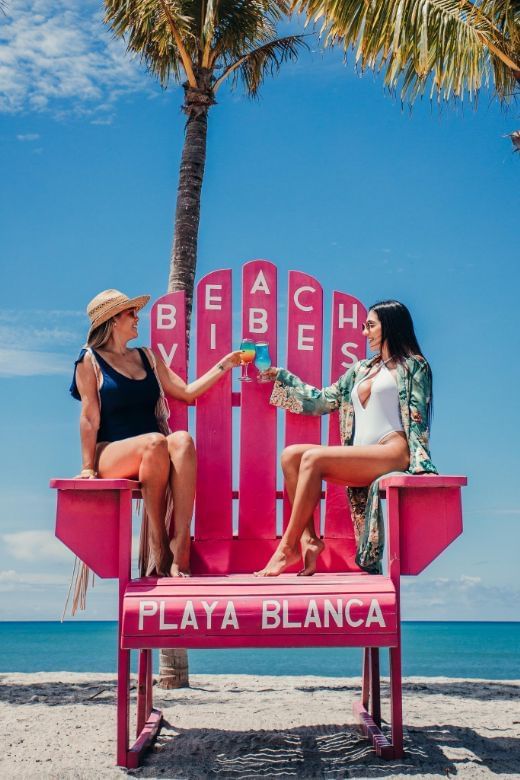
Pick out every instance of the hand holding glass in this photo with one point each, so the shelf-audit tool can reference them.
(262, 359)
(247, 347)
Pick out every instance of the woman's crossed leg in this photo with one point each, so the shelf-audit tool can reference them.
(305, 466)
(156, 461)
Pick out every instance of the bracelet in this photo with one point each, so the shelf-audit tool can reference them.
(221, 367)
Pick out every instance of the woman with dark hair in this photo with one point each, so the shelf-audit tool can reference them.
(385, 407)
(124, 425)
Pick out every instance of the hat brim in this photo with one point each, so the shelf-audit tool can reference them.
(132, 303)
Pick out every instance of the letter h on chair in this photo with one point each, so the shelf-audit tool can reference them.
(221, 605)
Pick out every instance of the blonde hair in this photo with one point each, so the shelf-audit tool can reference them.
(100, 335)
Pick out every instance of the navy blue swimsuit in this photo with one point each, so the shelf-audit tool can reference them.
(127, 405)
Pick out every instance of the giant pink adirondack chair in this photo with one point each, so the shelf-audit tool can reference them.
(222, 604)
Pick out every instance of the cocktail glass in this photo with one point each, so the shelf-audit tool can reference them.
(263, 358)
(247, 347)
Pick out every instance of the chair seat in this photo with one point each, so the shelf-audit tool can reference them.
(349, 610)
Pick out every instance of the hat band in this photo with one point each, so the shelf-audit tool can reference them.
(106, 306)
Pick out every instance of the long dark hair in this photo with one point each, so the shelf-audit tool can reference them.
(398, 332)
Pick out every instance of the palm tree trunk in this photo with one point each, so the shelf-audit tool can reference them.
(187, 214)
(173, 664)
(173, 668)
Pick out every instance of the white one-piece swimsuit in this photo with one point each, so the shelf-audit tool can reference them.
(381, 414)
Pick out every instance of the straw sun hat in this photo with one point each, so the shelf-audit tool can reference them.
(109, 303)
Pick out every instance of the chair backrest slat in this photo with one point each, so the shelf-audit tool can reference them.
(257, 481)
(257, 457)
(304, 358)
(213, 510)
(347, 346)
(168, 340)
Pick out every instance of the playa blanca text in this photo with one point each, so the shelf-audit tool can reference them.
(267, 614)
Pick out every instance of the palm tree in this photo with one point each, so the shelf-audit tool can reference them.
(201, 44)
(452, 47)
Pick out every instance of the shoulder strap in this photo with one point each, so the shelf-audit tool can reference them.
(150, 357)
(97, 370)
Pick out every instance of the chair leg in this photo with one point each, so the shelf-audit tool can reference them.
(149, 684)
(142, 691)
(375, 686)
(396, 693)
(123, 705)
(365, 688)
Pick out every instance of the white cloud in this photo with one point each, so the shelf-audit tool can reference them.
(465, 597)
(35, 545)
(11, 580)
(28, 137)
(20, 362)
(52, 51)
(31, 341)
(21, 315)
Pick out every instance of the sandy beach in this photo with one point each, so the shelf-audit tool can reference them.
(63, 726)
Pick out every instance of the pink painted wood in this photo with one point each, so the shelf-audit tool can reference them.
(257, 474)
(304, 358)
(168, 339)
(347, 346)
(213, 518)
(243, 611)
(430, 517)
(87, 520)
(242, 556)
(224, 606)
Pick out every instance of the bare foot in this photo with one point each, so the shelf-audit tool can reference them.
(176, 571)
(312, 548)
(160, 562)
(180, 548)
(283, 557)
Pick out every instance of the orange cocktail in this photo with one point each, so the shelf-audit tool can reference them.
(247, 347)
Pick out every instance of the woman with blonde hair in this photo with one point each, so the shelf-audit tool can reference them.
(124, 424)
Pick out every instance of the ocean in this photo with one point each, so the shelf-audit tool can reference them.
(483, 650)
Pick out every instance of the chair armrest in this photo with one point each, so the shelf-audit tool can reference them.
(422, 481)
(94, 520)
(94, 484)
(424, 518)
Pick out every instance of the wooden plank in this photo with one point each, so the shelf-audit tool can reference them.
(211, 622)
(168, 340)
(423, 481)
(348, 345)
(237, 555)
(213, 509)
(257, 488)
(236, 641)
(285, 585)
(145, 739)
(304, 358)
(368, 727)
(94, 484)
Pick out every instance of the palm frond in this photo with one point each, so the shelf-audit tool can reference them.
(455, 46)
(242, 25)
(253, 66)
(158, 30)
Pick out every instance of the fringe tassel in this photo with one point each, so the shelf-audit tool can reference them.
(146, 561)
(79, 582)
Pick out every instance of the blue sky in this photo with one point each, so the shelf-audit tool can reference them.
(327, 174)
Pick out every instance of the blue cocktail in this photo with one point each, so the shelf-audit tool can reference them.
(262, 358)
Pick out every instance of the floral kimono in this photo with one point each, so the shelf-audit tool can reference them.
(414, 389)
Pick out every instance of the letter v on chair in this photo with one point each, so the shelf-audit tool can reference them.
(222, 604)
